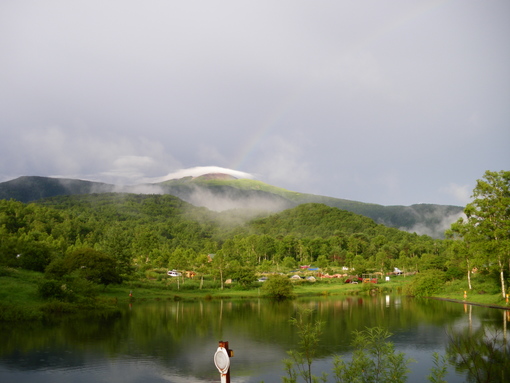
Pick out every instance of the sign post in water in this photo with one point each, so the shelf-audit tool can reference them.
(222, 361)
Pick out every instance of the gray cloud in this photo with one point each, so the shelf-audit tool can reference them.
(386, 102)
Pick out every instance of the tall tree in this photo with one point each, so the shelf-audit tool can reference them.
(465, 249)
(220, 265)
(116, 242)
(487, 223)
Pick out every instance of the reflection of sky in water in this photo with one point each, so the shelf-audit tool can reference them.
(187, 355)
(147, 371)
(107, 371)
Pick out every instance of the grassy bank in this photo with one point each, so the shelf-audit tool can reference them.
(483, 292)
(19, 298)
(18, 295)
(190, 289)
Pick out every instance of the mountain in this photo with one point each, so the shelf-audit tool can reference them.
(28, 189)
(221, 192)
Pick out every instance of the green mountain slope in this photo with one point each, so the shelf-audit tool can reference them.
(221, 192)
(32, 188)
(313, 220)
(429, 219)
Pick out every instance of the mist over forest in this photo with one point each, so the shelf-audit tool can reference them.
(220, 192)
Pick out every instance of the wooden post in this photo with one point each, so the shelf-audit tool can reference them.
(230, 354)
(222, 361)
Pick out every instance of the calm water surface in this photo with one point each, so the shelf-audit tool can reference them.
(175, 341)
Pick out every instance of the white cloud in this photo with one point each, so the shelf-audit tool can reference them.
(199, 171)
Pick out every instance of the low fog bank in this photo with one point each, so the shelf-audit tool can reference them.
(99, 188)
(435, 223)
(431, 220)
(141, 189)
(230, 198)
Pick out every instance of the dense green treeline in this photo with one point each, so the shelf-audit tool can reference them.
(154, 229)
(314, 234)
(135, 229)
(145, 235)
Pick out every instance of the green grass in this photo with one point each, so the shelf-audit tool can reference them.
(19, 286)
(19, 299)
(484, 291)
(18, 294)
(167, 290)
(190, 289)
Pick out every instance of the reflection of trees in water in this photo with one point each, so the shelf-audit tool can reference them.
(182, 335)
(483, 353)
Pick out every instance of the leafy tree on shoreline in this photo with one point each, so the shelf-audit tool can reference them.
(487, 226)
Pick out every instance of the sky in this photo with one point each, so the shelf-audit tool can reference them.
(391, 102)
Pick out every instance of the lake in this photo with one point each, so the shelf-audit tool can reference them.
(175, 341)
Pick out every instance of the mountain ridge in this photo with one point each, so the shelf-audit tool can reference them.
(225, 192)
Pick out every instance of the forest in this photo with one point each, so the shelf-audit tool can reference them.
(111, 237)
(222, 192)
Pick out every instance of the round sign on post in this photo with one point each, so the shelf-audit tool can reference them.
(222, 360)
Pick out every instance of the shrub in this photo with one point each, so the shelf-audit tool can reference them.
(427, 283)
(92, 265)
(300, 362)
(56, 269)
(244, 275)
(35, 256)
(81, 286)
(454, 273)
(69, 289)
(16, 313)
(374, 359)
(289, 263)
(149, 274)
(265, 266)
(278, 287)
(55, 289)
